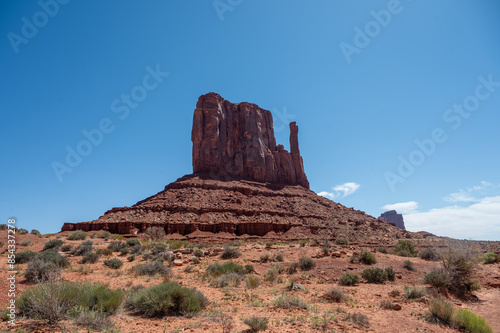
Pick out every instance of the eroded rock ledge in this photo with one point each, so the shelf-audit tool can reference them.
(200, 203)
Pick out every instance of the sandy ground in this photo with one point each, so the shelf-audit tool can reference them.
(241, 302)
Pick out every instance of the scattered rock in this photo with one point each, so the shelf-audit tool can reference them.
(178, 262)
(397, 307)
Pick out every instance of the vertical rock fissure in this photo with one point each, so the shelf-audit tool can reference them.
(237, 140)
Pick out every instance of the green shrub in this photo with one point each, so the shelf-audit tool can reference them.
(473, 285)
(158, 248)
(285, 302)
(26, 242)
(154, 268)
(358, 319)
(40, 271)
(438, 278)
(217, 269)
(48, 301)
(256, 324)
(367, 258)
(83, 249)
(174, 244)
(131, 257)
(90, 258)
(94, 321)
(271, 275)
(348, 279)
(306, 263)
(249, 269)
(55, 300)
(133, 242)
(325, 249)
(386, 304)
(98, 296)
(252, 281)
(52, 244)
(382, 249)
(22, 231)
(405, 247)
(168, 298)
(471, 322)
(278, 257)
(404, 253)
(374, 275)
(24, 256)
(228, 280)
(124, 251)
(54, 257)
(66, 248)
(341, 241)
(335, 295)
(460, 265)
(265, 258)
(292, 268)
(113, 263)
(136, 249)
(35, 232)
(394, 293)
(116, 246)
(230, 253)
(430, 254)
(117, 237)
(198, 253)
(440, 312)
(104, 252)
(391, 273)
(77, 235)
(104, 235)
(490, 258)
(408, 264)
(414, 292)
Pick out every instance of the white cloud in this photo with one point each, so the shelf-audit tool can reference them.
(477, 220)
(472, 194)
(403, 207)
(340, 191)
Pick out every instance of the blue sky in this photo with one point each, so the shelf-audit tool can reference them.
(397, 101)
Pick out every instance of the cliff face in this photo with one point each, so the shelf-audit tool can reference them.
(199, 203)
(237, 140)
(243, 184)
(392, 216)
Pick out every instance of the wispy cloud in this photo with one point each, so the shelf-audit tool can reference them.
(340, 191)
(477, 220)
(474, 213)
(403, 207)
(471, 194)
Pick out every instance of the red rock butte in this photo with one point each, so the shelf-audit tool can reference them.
(243, 184)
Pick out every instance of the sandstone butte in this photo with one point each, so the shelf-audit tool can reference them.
(393, 217)
(243, 184)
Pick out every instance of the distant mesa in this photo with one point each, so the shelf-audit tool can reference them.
(243, 184)
(391, 216)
